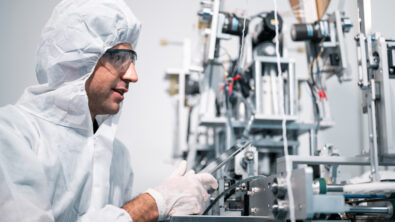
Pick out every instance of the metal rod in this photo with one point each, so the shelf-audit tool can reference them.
(313, 141)
(365, 16)
(319, 160)
(362, 209)
(258, 87)
(247, 130)
(374, 160)
(225, 157)
(334, 188)
(292, 88)
(214, 27)
(363, 77)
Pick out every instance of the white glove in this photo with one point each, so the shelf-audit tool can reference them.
(183, 193)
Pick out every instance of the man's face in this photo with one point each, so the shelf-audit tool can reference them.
(107, 85)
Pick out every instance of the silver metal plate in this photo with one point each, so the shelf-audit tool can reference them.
(219, 219)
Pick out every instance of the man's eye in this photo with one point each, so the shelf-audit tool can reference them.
(117, 58)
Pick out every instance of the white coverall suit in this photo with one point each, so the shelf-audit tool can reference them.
(52, 165)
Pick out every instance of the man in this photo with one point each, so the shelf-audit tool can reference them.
(59, 159)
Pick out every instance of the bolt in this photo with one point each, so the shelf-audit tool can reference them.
(282, 190)
(274, 188)
(275, 209)
(253, 210)
(243, 186)
(255, 189)
(280, 210)
(249, 155)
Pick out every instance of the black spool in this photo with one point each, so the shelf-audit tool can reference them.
(310, 31)
(266, 30)
(234, 25)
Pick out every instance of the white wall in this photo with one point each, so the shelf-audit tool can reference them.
(147, 120)
(21, 23)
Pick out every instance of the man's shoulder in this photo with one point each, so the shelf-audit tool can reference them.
(120, 149)
(119, 143)
(12, 115)
(15, 122)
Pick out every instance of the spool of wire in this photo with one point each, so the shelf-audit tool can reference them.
(315, 31)
(234, 25)
(266, 30)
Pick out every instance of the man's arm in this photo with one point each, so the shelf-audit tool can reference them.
(19, 166)
(142, 208)
(180, 194)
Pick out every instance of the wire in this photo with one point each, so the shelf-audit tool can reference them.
(316, 111)
(226, 61)
(368, 200)
(246, 101)
(313, 86)
(190, 109)
(243, 37)
(284, 129)
(228, 113)
(313, 92)
(231, 188)
(237, 67)
(312, 64)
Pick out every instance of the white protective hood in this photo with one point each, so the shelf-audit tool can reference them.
(75, 37)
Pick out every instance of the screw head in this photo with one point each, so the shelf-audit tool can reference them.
(275, 209)
(249, 155)
(255, 189)
(274, 188)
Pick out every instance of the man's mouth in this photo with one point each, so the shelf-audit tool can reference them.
(119, 91)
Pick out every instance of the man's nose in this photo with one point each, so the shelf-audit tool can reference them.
(131, 74)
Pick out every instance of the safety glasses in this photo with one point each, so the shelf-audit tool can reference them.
(119, 59)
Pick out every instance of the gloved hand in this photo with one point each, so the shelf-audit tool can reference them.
(183, 193)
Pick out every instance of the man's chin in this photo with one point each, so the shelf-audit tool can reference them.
(114, 109)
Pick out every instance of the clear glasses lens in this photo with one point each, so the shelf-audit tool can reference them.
(119, 59)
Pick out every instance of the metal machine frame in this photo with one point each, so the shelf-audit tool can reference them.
(316, 196)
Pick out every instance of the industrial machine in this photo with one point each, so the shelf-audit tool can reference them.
(238, 118)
